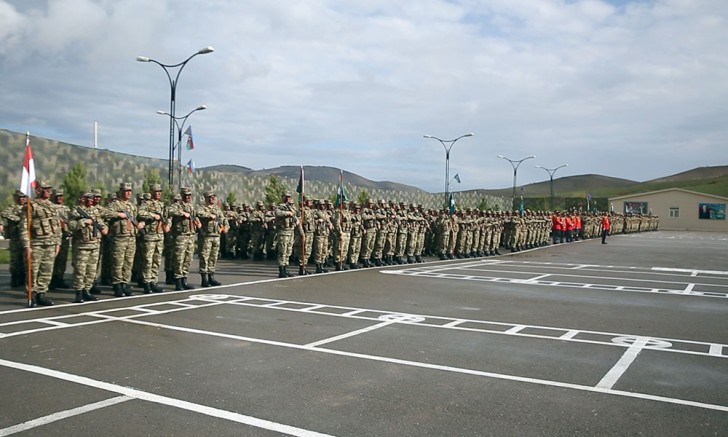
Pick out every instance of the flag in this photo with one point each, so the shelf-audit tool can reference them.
(190, 143)
(190, 166)
(457, 177)
(27, 180)
(341, 191)
(299, 187)
(451, 203)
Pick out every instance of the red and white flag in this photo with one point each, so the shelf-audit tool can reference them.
(27, 181)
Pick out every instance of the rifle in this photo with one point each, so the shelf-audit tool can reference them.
(96, 225)
(133, 221)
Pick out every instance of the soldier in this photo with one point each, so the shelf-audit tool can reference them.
(154, 214)
(96, 205)
(380, 214)
(270, 232)
(87, 227)
(369, 220)
(184, 228)
(229, 243)
(357, 228)
(342, 235)
(243, 240)
(403, 225)
(169, 243)
(13, 215)
(213, 224)
(286, 220)
(258, 227)
(59, 266)
(121, 215)
(106, 247)
(308, 225)
(41, 242)
(322, 227)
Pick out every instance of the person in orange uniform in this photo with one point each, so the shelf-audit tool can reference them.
(605, 225)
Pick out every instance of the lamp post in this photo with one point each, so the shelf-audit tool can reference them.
(515, 164)
(173, 99)
(451, 201)
(551, 172)
(180, 128)
(447, 160)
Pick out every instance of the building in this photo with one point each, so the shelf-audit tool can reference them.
(678, 209)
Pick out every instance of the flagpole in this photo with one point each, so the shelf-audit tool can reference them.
(28, 258)
(302, 266)
(341, 204)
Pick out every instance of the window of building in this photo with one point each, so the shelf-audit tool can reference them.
(674, 212)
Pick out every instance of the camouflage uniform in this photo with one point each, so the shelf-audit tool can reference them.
(357, 228)
(214, 223)
(184, 228)
(342, 235)
(13, 216)
(154, 214)
(121, 215)
(286, 220)
(87, 228)
(258, 227)
(322, 227)
(59, 265)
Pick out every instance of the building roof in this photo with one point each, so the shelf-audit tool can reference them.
(649, 193)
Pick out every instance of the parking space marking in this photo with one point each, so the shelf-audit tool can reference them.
(163, 400)
(623, 364)
(45, 420)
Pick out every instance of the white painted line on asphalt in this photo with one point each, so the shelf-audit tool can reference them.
(163, 400)
(501, 376)
(453, 323)
(546, 275)
(349, 334)
(692, 272)
(516, 329)
(623, 364)
(689, 288)
(569, 335)
(716, 349)
(45, 420)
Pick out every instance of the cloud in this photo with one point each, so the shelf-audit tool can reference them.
(355, 85)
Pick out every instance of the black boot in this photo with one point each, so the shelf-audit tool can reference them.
(147, 288)
(118, 290)
(205, 280)
(285, 270)
(185, 285)
(126, 289)
(42, 300)
(302, 271)
(94, 289)
(353, 266)
(156, 288)
(319, 268)
(282, 272)
(377, 262)
(79, 297)
(178, 284)
(211, 279)
(87, 297)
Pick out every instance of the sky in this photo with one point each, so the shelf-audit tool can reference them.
(628, 89)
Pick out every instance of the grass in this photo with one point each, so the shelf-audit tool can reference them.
(4, 256)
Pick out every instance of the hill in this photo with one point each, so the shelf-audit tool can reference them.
(694, 174)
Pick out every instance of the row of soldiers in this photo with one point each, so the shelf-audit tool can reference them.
(132, 236)
(121, 242)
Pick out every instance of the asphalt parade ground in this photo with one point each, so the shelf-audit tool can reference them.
(627, 338)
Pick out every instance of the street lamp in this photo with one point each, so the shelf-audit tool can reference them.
(515, 164)
(447, 160)
(180, 127)
(173, 99)
(551, 172)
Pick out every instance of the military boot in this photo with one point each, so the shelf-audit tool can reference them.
(118, 290)
(95, 289)
(42, 300)
(319, 268)
(282, 272)
(213, 282)
(205, 281)
(285, 270)
(156, 288)
(178, 284)
(87, 297)
(147, 288)
(79, 297)
(185, 285)
(126, 289)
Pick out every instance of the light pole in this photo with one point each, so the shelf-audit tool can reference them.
(451, 201)
(515, 164)
(447, 161)
(173, 99)
(180, 127)
(551, 172)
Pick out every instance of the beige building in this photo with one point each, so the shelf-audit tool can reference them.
(678, 209)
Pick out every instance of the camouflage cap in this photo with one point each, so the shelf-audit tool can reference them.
(155, 187)
(209, 194)
(58, 192)
(147, 196)
(259, 203)
(125, 186)
(19, 193)
(177, 197)
(43, 184)
(88, 194)
(96, 192)
(287, 194)
(185, 191)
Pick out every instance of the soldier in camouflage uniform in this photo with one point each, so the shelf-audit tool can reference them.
(59, 266)
(243, 240)
(121, 215)
(213, 225)
(258, 227)
(13, 215)
(357, 228)
(286, 222)
(270, 233)
(342, 235)
(87, 227)
(106, 248)
(41, 241)
(154, 214)
(229, 242)
(322, 227)
(169, 243)
(369, 220)
(184, 230)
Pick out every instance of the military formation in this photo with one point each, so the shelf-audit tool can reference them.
(122, 242)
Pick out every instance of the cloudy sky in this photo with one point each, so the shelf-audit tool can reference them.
(631, 89)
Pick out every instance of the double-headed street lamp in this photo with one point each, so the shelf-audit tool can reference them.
(515, 164)
(447, 161)
(180, 129)
(173, 100)
(551, 172)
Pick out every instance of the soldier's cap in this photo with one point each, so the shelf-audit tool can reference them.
(125, 186)
(43, 184)
(155, 187)
(185, 191)
(259, 203)
(58, 192)
(177, 197)
(382, 202)
(246, 205)
(209, 194)
(147, 196)
(287, 194)
(140, 196)
(370, 201)
(96, 192)
(88, 194)
(19, 193)
(355, 205)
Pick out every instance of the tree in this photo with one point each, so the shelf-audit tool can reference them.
(274, 191)
(74, 184)
(231, 198)
(151, 177)
(362, 197)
